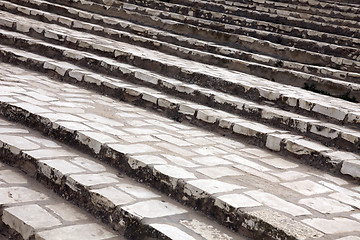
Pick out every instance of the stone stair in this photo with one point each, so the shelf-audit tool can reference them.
(193, 114)
(29, 210)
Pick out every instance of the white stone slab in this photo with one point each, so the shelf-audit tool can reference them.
(172, 232)
(277, 203)
(67, 212)
(205, 230)
(334, 226)
(89, 180)
(201, 187)
(10, 176)
(211, 161)
(153, 209)
(132, 148)
(9, 195)
(236, 201)
(325, 205)
(137, 191)
(110, 197)
(27, 219)
(91, 231)
(88, 164)
(246, 162)
(307, 187)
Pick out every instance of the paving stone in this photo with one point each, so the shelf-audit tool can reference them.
(174, 172)
(12, 130)
(27, 219)
(88, 164)
(94, 140)
(58, 168)
(246, 162)
(325, 205)
(257, 173)
(110, 197)
(290, 175)
(277, 203)
(136, 191)
(172, 232)
(132, 148)
(174, 149)
(10, 195)
(89, 180)
(16, 143)
(153, 209)
(351, 167)
(291, 227)
(10, 176)
(278, 163)
(180, 161)
(143, 160)
(333, 226)
(67, 213)
(236, 201)
(50, 153)
(218, 172)
(100, 119)
(42, 141)
(349, 238)
(340, 189)
(173, 140)
(205, 230)
(211, 161)
(85, 231)
(307, 187)
(201, 187)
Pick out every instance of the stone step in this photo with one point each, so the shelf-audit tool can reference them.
(322, 105)
(240, 42)
(312, 13)
(274, 139)
(294, 36)
(260, 65)
(180, 160)
(28, 210)
(132, 208)
(333, 135)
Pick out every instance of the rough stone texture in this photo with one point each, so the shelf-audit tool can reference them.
(269, 74)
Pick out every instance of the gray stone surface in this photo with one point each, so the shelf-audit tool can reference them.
(230, 173)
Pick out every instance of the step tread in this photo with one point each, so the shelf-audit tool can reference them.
(171, 143)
